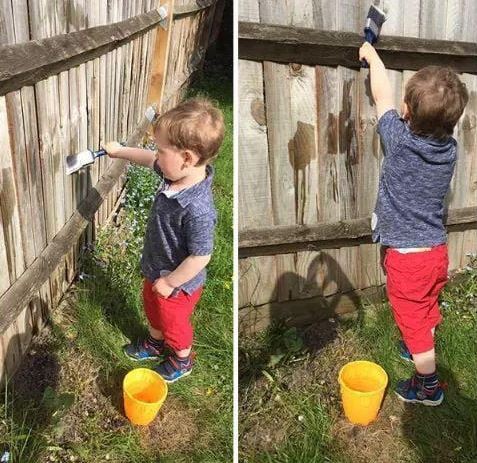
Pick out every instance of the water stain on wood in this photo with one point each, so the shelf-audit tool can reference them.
(302, 147)
(257, 109)
(7, 195)
(332, 134)
(469, 123)
(347, 130)
(301, 151)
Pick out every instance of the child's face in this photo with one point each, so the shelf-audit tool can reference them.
(172, 161)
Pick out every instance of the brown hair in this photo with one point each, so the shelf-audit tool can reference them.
(436, 99)
(195, 124)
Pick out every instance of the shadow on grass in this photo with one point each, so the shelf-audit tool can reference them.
(30, 401)
(445, 433)
(116, 304)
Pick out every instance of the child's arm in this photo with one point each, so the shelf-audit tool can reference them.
(139, 156)
(380, 85)
(187, 270)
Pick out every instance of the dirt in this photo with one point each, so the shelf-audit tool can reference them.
(62, 366)
(174, 430)
(268, 424)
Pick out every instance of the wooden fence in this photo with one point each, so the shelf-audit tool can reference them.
(309, 153)
(72, 76)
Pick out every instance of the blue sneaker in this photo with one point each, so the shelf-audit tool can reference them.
(404, 352)
(174, 368)
(144, 350)
(414, 391)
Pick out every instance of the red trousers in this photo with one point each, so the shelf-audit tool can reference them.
(171, 315)
(413, 284)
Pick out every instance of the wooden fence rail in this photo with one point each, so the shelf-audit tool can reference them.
(286, 44)
(24, 64)
(286, 239)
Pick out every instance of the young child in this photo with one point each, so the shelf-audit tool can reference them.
(180, 230)
(419, 160)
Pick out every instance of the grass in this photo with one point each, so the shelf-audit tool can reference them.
(291, 410)
(66, 402)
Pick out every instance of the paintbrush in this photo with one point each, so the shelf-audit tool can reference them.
(374, 22)
(75, 162)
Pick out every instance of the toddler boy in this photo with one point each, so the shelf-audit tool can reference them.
(419, 160)
(180, 230)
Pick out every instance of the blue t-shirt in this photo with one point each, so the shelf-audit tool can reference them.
(179, 226)
(415, 178)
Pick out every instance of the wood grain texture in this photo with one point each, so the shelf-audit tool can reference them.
(23, 289)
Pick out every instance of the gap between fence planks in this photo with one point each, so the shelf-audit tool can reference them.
(25, 287)
(288, 44)
(290, 238)
(26, 63)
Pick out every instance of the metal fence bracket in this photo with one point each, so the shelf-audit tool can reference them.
(164, 13)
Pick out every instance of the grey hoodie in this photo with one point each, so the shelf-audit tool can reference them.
(415, 178)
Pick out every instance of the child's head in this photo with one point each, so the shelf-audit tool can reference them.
(434, 101)
(188, 136)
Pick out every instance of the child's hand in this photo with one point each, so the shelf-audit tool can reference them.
(368, 53)
(112, 148)
(162, 288)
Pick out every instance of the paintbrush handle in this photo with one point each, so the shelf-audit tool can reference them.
(370, 38)
(102, 152)
(99, 153)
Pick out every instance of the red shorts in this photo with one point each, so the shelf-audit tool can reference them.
(171, 315)
(413, 284)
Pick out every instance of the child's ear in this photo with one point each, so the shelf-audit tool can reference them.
(190, 158)
(405, 111)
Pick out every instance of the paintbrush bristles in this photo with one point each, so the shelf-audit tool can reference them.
(374, 21)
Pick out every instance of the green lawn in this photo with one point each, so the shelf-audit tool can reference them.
(66, 402)
(291, 411)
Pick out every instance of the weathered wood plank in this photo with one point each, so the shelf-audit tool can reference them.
(27, 63)
(280, 133)
(285, 44)
(9, 209)
(159, 59)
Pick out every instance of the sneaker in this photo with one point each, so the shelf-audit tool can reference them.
(174, 368)
(143, 350)
(413, 391)
(404, 352)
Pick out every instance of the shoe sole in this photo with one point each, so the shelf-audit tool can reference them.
(427, 403)
(170, 381)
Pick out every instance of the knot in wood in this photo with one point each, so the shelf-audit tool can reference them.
(257, 109)
(296, 69)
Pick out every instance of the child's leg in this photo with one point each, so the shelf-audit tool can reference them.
(425, 362)
(152, 347)
(177, 329)
(155, 333)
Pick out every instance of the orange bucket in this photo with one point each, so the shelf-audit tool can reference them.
(362, 390)
(144, 393)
